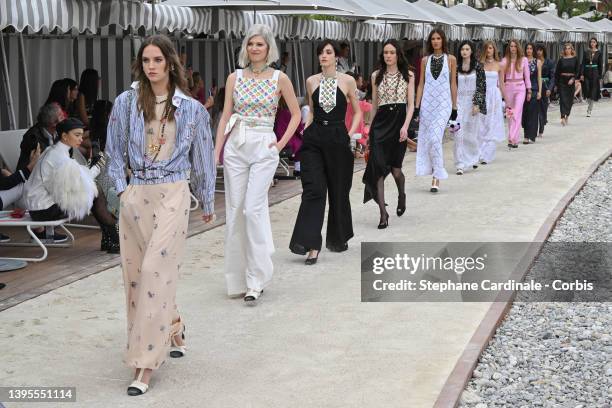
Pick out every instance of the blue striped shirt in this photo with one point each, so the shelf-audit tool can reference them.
(193, 153)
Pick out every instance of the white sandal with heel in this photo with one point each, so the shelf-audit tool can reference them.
(137, 387)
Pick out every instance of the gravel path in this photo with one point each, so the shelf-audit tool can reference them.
(556, 355)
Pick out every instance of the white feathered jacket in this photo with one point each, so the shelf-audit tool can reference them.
(59, 179)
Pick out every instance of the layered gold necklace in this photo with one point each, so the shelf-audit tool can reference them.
(155, 145)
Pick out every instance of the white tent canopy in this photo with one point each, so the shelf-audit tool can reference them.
(263, 5)
(583, 25)
(504, 18)
(470, 16)
(604, 25)
(556, 22)
(531, 20)
(382, 9)
(441, 14)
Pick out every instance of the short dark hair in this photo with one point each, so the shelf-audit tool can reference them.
(325, 43)
(344, 45)
(539, 47)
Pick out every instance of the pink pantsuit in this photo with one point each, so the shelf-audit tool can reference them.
(517, 84)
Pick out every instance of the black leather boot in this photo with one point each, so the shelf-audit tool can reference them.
(105, 241)
(113, 239)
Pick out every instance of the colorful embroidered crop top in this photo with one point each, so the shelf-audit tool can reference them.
(256, 97)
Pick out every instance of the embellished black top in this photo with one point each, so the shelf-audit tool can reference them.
(437, 63)
(591, 66)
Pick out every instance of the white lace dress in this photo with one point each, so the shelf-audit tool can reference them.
(492, 129)
(435, 110)
(466, 147)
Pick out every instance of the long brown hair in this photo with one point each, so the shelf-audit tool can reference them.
(146, 97)
(518, 64)
(439, 31)
(483, 54)
(402, 63)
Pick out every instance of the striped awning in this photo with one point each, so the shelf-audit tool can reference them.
(36, 15)
(484, 33)
(546, 36)
(129, 13)
(369, 31)
(318, 29)
(237, 22)
(90, 15)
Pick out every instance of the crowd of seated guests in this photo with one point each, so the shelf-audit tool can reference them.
(60, 159)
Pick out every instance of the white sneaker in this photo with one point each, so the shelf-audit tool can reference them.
(459, 172)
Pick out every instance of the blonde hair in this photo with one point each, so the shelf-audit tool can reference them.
(518, 64)
(483, 54)
(569, 44)
(265, 32)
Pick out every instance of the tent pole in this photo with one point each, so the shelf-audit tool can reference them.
(295, 70)
(227, 57)
(153, 17)
(27, 83)
(423, 36)
(302, 73)
(5, 77)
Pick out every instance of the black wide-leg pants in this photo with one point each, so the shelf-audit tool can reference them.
(531, 113)
(327, 170)
(566, 98)
(543, 113)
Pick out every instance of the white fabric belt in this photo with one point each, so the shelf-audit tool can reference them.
(247, 122)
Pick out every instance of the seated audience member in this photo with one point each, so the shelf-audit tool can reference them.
(60, 95)
(106, 204)
(58, 186)
(198, 92)
(88, 94)
(73, 95)
(607, 79)
(363, 130)
(283, 117)
(359, 81)
(217, 110)
(41, 135)
(99, 124)
(11, 185)
(283, 63)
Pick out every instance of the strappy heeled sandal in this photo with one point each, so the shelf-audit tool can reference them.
(137, 387)
(177, 351)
